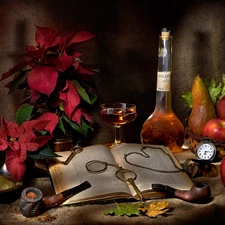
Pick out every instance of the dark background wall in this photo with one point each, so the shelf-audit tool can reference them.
(126, 49)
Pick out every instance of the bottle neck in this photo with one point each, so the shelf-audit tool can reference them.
(163, 87)
(163, 101)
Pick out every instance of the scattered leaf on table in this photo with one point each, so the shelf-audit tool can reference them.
(125, 209)
(155, 208)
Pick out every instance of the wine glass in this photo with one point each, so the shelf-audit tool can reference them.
(117, 114)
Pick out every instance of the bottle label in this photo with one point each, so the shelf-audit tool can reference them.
(163, 81)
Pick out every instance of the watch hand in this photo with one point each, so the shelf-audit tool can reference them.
(206, 152)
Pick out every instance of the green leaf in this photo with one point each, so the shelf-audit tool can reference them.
(82, 92)
(214, 89)
(19, 79)
(43, 132)
(23, 113)
(93, 98)
(187, 98)
(44, 153)
(83, 129)
(223, 86)
(61, 125)
(122, 209)
(61, 106)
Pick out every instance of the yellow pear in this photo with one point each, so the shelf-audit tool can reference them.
(203, 108)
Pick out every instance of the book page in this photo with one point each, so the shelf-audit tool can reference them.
(102, 184)
(152, 164)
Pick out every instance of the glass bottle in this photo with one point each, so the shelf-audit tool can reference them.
(163, 127)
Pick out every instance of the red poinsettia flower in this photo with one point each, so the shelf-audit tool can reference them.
(16, 140)
(70, 97)
(48, 58)
(54, 78)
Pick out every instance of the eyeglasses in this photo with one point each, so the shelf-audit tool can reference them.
(125, 175)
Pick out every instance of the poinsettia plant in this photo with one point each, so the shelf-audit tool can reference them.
(17, 140)
(57, 85)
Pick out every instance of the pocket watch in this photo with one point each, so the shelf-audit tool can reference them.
(206, 150)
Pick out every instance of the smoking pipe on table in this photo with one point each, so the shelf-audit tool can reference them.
(199, 193)
(32, 202)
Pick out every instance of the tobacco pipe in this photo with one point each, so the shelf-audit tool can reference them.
(32, 202)
(199, 193)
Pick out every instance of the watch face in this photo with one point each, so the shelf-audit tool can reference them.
(206, 151)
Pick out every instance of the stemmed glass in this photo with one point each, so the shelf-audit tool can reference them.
(117, 114)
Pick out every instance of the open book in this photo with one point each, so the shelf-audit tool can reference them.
(151, 163)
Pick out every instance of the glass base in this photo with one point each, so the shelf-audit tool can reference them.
(111, 145)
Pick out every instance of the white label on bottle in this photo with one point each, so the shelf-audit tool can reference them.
(163, 81)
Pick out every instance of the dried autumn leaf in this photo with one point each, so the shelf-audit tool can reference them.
(155, 208)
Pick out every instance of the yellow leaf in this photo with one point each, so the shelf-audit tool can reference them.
(155, 208)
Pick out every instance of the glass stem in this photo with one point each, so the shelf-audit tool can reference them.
(117, 135)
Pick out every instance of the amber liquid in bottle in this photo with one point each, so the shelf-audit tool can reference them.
(163, 127)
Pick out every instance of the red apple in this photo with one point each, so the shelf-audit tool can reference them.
(214, 129)
(222, 171)
(220, 108)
